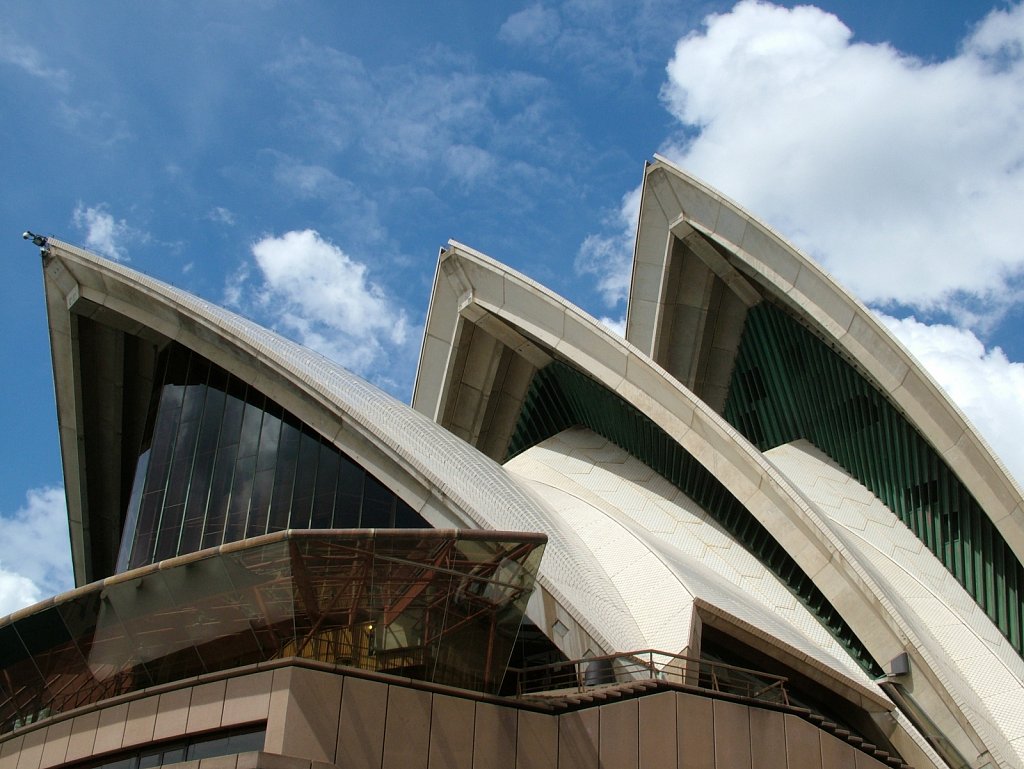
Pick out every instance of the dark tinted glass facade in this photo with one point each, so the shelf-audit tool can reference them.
(220, 462)
(788, 384)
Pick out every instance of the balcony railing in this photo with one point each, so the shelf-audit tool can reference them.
(591, 673)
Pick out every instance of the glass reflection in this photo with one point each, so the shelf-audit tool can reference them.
(435, 605)
(221, 462)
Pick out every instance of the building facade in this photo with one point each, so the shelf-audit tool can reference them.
(751, 533)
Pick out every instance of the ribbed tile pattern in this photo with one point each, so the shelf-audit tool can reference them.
(979, 666)
(788, 384)
(560, 397)
(473, 483)
(660, 548)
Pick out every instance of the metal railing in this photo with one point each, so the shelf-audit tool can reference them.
(591, 673)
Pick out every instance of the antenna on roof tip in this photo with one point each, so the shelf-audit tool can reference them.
(39, 240)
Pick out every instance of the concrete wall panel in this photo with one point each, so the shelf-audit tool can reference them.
(803, 744)
(56, 746)
(536, 741)
(657, 738)
(620, 735)
(10, 751)
(407, 729)
(451, 733)
(172, 714)
(247, 698)
(139, 726)
(364, 707)
(32, 749)
(206, 707)
(732, 735)
(767, 739)
(837, 754)
(578, 739)
(695, 727)
(494, 737)
(312, 713)
(83, 734)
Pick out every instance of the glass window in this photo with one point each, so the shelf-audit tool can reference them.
(222, 462)
(284, 478)
(326, 482)
(350, 495)
(378, 505)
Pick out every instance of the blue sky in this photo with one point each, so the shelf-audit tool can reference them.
(302, 163)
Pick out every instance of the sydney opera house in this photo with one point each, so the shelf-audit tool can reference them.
(752, 533)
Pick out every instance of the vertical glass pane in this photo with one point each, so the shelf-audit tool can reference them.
(262, 490)
(202, 471)
(177, 364)
(350, 495)
(241, 493)
(150, 759)
(270, 435)
(252, 420)
(170, 529)
(132, 515)
(220, 489)
(378, 505)
(173, 755)
(407, 518)
(145, 530)
(208, 748)
(213, 414)
(231, 424)
(305, 479)
(284, 479)
(224, 466)
(323, 495)
(181, 462)
(263, 487)
(247, 741)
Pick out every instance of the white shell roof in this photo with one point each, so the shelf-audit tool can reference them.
(469, 286)
(663, 551)
(671, 196)
(466, 483)
(977, 664)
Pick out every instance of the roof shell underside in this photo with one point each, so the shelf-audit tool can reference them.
(760, 265)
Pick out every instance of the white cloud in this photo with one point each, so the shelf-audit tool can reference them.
(436, 114)
(535, 25)
(221, 215)
(35, 555)
(605, 40)
(467, 163)
(904, 177)
(351, 211)
(103, 233)
(615, 325)
(609, 257)
(28, 58)
(987, 386)
(319, 294)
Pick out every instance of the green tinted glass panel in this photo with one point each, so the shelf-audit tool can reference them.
(788, 384)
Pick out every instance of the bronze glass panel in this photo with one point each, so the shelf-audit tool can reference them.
(433, 605)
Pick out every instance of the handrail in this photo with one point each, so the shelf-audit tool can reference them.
(589, 673)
